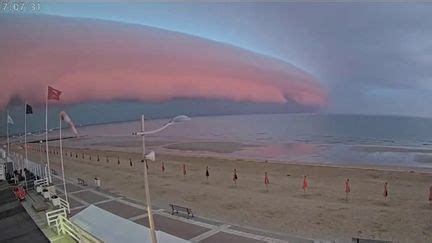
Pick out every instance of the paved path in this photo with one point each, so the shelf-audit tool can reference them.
(195, 229)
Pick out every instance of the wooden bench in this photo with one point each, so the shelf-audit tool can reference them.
(81, 182)
(176, 208)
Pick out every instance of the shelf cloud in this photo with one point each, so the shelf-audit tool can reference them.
(98, 60)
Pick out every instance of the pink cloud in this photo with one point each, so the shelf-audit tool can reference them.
(102, 60)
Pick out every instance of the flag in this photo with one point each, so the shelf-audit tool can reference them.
(64, 116)
(53, 94)
(29, 109)
(9, 120)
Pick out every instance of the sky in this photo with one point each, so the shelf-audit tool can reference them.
(362, 58)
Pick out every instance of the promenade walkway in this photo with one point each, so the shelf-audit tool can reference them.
(196, 229)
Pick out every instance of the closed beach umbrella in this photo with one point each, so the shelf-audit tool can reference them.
(163, 167)
(235, 177)
(347, 188)
(207, 173)
(385, 194)
(430, 194)
(305, 184)
(266, 180)
(184, 170)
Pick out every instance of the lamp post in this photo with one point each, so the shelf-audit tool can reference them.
(41, 158)
(151, 156)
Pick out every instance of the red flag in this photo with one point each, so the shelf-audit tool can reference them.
(53, 94)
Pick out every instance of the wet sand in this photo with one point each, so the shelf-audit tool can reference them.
(321, 213)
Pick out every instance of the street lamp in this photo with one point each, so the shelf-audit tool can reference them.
(151, 156)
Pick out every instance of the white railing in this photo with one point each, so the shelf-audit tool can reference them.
(64, 226)
(64, 204)
(41, 182)
(52, 216)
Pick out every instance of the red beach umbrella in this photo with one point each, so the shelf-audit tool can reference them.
(347, 188)
(430, 194)
(305, 184)
(266, 180)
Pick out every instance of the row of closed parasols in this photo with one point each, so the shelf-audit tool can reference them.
(305, 184)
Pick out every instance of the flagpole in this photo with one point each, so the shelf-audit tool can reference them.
(25, 136)
(61, 159)
(25, 141)
(46, 136)
(7, 134)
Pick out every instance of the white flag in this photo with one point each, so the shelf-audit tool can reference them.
(64, 116)
(9, 120)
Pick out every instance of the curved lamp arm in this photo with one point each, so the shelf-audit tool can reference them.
(152, 131)
(176, 119)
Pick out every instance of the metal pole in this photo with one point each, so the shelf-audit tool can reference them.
(147, 191)
(46, 135)
(61, 160)
(25, 143)
(25, 133)
(7, 134)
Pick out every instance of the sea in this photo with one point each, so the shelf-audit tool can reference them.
(327, 139)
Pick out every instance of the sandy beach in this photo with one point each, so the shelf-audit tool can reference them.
(321, 213)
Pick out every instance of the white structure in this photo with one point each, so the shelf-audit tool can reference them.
(109, 227)
(2, 170)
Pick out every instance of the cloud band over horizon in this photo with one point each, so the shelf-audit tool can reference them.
(96, 60)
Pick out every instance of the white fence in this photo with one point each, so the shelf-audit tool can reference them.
(64, 226)
(41, 182)
(64, 204)
(52, 216)
(19, 162)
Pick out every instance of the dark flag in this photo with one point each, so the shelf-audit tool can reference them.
(29, 109)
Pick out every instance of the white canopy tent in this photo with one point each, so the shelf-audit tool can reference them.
(109, 227)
